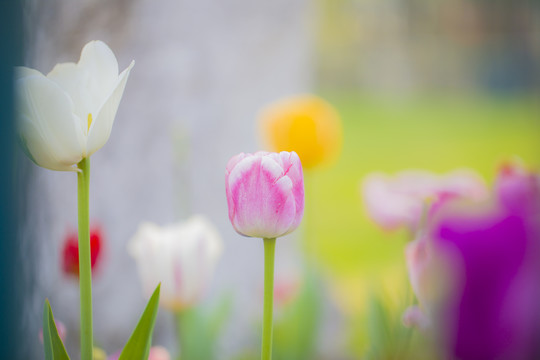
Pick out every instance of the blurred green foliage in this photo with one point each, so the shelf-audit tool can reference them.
(199, 329)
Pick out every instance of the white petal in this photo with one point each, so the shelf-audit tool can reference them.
(47, 125)
(89, 82)
(99, 60)
(73, 80)
(101, 126)
(22, 71)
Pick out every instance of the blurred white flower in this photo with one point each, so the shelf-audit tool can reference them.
(181, 256)
(68, 115)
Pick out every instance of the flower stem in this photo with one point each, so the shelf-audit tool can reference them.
(193, 338)
(269, 251)
(85, 268)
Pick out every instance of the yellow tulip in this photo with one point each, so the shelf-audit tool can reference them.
(306, 124)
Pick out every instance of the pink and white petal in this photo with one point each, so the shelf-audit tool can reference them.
(274, 171)
(292, 165)
(232, 163)
(261, 153)
(386, 207)
(417, 256)
(418, 183)
(241, 180)
(295, 173)
(465, 183)
(47, 125)
(101, 127)
(280, 205)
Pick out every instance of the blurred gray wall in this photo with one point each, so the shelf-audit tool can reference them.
(202, 71)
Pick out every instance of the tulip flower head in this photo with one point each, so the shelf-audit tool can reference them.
(68, 115)
(265, 193)
(70, 251)
(394, 202)
(181, 256)
(306, 124)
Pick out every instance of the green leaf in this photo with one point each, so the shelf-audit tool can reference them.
(54, 348)
(138, 345)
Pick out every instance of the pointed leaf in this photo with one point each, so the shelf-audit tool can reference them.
(138, 345)
(54, 347)
(47, 342)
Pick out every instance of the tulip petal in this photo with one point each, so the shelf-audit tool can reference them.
(232, 163)
(99, 60)
(293, 170)
(48, 128)
(90, 82)
(230, 166)
(23, 71)
(101, 127)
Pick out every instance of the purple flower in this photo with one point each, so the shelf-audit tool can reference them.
(493, 308)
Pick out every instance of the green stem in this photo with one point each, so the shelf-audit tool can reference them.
(184, 320)
(85, 267)
(193, 337)
(269, 251)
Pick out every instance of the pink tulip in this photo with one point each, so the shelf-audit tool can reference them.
(393, 202)
(428, 272)
(265, 193)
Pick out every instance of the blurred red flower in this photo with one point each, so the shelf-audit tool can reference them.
(70, 251)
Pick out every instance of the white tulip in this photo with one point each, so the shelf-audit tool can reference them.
(68, 115)
(181, 256)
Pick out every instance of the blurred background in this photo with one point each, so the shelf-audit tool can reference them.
(434, 85)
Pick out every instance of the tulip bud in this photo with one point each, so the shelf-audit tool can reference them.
(68, 115)
(306, 124)
(180, 256)
(428, 272)
(265, 193)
